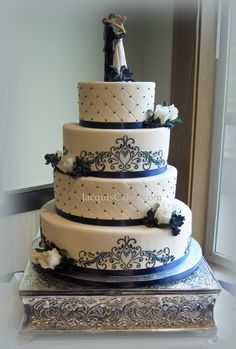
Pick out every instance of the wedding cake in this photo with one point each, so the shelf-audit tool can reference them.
(115, 211)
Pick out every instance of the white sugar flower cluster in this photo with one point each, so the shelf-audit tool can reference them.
(66, 162)
(164, 211)
(165, 113)
(47, 259)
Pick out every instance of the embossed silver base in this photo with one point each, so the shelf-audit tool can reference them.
(52, 305)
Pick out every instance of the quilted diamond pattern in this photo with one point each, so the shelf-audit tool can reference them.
(115, 102)
(111, 198)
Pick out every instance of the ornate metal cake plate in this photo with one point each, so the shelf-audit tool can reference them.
(52, 305)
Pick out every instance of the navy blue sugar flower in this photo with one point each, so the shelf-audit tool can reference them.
(52, 159)
(151, 123)
(80, 168)
(149, 220)
(114, 75)
(176, 221)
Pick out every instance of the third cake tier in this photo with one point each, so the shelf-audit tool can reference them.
(112, 201)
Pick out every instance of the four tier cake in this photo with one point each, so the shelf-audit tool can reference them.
(115, 211)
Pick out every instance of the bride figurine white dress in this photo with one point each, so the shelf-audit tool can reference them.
(119, 59)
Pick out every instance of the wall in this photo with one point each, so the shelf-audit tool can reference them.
(151, 35)
(50, 46)
(49, 51)
(17, 233)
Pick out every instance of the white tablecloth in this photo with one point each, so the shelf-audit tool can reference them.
(11, 314)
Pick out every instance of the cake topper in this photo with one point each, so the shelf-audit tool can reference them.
(115, 67)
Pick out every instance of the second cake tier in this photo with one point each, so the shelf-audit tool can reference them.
(119, 153)
(108, 201)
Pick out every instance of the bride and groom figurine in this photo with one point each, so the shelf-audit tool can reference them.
(115, 62)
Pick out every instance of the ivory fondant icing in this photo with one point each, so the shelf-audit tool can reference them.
(118, 150)
(115, 101)
(112, 199)
(127, 248)
(115, 206)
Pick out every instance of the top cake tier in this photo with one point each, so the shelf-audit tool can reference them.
(115, 104)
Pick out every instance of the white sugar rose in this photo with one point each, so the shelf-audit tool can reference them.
(66, 163)
(59, 154)
(161, 112)
(163, 213)
(173, 112)
(47, 259)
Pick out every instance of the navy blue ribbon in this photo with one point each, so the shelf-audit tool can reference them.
(77, 277)
(181, 275)
(110, 125)
(98, 221)
(133, 174)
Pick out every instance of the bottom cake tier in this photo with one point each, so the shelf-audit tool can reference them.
(117, 250)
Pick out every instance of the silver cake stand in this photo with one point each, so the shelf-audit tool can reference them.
(55, 305)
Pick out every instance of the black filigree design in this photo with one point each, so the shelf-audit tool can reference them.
(125, 255)
(124, 156)
(114, 75)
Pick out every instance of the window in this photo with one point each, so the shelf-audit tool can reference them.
(221, 228)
